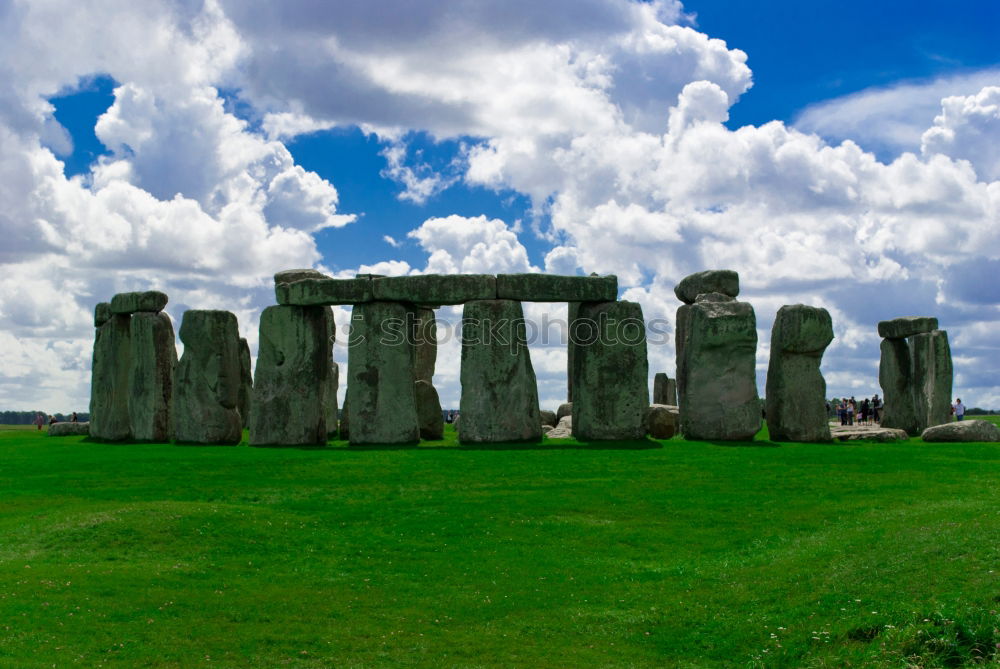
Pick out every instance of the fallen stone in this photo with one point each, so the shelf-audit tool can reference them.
(932, 378)
(293, 275)
(429, 415)
(546, 429)
(151, 381)
(323, 292)
(207, 379)
(565, 409)
(895, 373)
(499, 390)
(102, 313)
(963, 430)
(436, 288)
(563, 430)
(424, 343)
(901, 328)
(549, 417)
(868, 433)
(716, 344)
(610, 373)
(109, 380)
(68, 429)
(662, 421)
(380, 383)
(246, 384)
(724, 281)
(130, 303)
(796, 389)
(290, 387)
(554, 288)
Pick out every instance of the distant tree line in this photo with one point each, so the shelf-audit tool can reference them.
(28, 417)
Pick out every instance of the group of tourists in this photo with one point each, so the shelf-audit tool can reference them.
(853, 412)
(40, 420)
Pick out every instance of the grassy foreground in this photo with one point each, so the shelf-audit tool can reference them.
(641, 554)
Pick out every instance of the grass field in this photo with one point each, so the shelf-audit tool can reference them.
(642, 554)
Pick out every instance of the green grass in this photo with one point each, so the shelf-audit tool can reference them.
(643, 554)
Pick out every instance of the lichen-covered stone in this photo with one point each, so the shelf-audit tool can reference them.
(429, 415)
(554, 288)
(109, 381)
(572, 313)
(562, 430)
(901, 328)
(332, 410)
(664, 390)
(932, 378)
(867, 433)
(610, 373)
(323, 292)
(102, 313)
(796, 389)
(246, 383)
(548, 418)
(499, 391)
(380, 383)
(895, 373)
(68, 429)
(293, 275)
(293, 368)
(130, 303)
(436, 288)
(724, 281)
(662, 421)
(716, 379)
(151, 381)
(564, 409)
(963, 430)
(207, 379)
(424, 343)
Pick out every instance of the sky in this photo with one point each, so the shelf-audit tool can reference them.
(839, 154)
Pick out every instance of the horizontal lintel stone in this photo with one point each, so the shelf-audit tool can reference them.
(901, 328)
(323, 292)
(129, 303)
(556, 288)
(436, 288)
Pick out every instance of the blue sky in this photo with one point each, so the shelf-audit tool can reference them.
(209, 144)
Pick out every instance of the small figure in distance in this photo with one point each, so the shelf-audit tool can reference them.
(74, 418)
(52, 421)
(958, 409)
(876, 409)
(39, 421)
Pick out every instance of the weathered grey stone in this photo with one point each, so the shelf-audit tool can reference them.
(436, 288)
(109, 381)
(611, 373)
(572, 315)
(323, 292)
(499, 391)
(796, 389)
(207, 379)
(963, 430)
(664, 390)
(716, 345)
(724, 281)
(151, 383)
(293, 275)
(932, 378)
(562, 430)
(555, 288)
(901, 328)
(429, 415)
(895, 373)
(662, 421)
(246, 384)
(549, 417)
(380, 383)
(68, 429)
(102, 313)
(424, 343)
(867, 433)
(330, 402)
(293, 368)
(130, 303)
(546, 429)
(565, 409)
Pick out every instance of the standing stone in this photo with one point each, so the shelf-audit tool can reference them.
(565, 409)
(293, 367)
(102, 314)
(151, 381)
(716, 377)
(723, 281)
(109, 380)
(610, 373)
(129, 303)
(664, 390)
(332, 411)
(424, 343)
(207, 379)
(345, 422)
(571, 318)
(796, 390)
(932, 378)
(499, 391)
(895, 373)
(246, 383)
(380, 393)
(429, 415)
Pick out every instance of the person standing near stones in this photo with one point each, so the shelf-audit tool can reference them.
(39, 421)
(74, 418)
(876, 409)
(958, 409)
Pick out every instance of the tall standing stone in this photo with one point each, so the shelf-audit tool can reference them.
(499, 390)
(380, 394)
(932, 378)
(429, 415)
(207, 379)
(716, 378)
(796, 390)
(895, 375)
(424, 343)
(151, 379)
(246, 383)
(610, 373)
(572, 314)
(293, 368)
(332, 410)
(664, 390)
(109, 381)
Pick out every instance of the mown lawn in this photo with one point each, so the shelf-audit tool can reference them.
(643, 554)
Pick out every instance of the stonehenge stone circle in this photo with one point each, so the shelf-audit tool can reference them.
(664, 390)
(964, 430)
(129, 303)
(499, 390)
(724, 281)
(611, 373)
(293, 368)
(796, 390)
(380, 384)
(915, 374)
(246, 383)
(895, 373)
(716, 344)
(207, 379)
(662, 421)
(151, 379)
(109, 380)
(431, 420)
